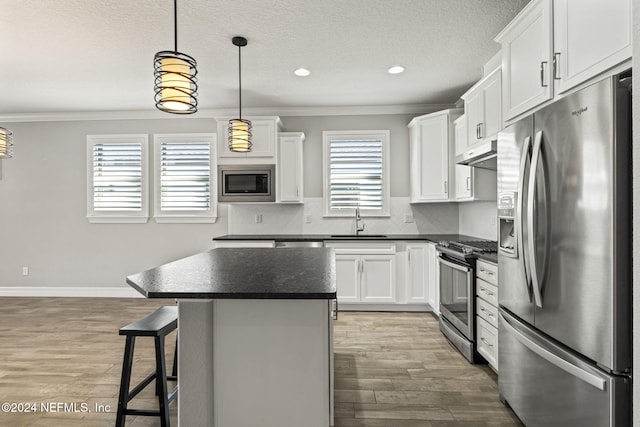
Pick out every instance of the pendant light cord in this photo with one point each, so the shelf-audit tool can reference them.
(175, 24)
(240, 81)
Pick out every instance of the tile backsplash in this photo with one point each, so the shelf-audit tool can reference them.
(307, 219)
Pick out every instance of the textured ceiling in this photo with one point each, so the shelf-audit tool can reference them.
(97, 55)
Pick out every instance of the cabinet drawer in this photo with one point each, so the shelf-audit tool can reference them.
(488, 342)
(487, 311)
(487, 271)
(487, 292)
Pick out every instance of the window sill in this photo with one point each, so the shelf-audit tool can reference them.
(176, 219)
(118, 219)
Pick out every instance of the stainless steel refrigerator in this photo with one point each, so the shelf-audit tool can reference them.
(564, 208)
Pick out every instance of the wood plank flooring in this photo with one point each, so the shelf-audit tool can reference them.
(392, 369)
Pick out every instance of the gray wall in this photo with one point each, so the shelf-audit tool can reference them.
(43, 202)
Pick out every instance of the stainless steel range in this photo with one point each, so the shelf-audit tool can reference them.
(457, 265)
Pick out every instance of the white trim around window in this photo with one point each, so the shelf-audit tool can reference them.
(117, 183)
(356, 172)
(185, 188)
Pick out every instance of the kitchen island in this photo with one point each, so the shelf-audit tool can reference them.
(255, 335)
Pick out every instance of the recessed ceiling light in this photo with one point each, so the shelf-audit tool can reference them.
(396, 69)
(302, 72)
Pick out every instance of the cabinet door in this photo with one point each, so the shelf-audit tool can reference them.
(464, 182)
(460, 134)
(264, 137)
(289, 170)
(378, 282)
(590, 36)
(527, 59)
(492, 105)
(434, 279)
(417, 273)
(473, 111)
(432, 174)
(348, 278)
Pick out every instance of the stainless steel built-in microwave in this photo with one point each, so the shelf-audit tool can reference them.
(246, 183)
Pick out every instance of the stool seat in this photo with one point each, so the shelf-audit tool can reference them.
(161, 322)
(158, 325)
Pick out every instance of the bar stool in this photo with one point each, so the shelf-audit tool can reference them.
(158, 324)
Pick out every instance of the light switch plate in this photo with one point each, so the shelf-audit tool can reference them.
(408, 218)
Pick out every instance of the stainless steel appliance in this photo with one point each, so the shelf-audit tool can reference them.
(457, 265)
(565, 260)
(246, 183)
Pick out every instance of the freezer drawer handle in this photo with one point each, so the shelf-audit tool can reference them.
(577, 372)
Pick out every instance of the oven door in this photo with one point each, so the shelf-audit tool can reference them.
(456, 294)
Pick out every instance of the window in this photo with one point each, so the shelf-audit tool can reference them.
(117, 178)
(184, 189)
(355, 172)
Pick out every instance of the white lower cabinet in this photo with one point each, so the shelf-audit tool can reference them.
(487, 311)
(365, 272)
(417, 277)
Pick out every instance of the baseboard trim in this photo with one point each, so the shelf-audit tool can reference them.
(69, 291)
(384, 307)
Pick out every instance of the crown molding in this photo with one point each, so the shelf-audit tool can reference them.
(352, 110)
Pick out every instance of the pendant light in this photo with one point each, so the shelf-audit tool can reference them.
(175, 77)
(239, 129)
(6, 143)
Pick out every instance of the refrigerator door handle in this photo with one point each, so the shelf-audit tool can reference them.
(524, 160)
(533, 270)
(568, 367)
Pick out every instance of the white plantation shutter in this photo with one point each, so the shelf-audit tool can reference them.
(184, 178)
(185, 170)
(355, 171)
(116, 178)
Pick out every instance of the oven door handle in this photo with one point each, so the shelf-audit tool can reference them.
(455, 266)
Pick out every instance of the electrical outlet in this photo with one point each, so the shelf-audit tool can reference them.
(258, 218)
(25, 271)
(308, 219)
(408, 218)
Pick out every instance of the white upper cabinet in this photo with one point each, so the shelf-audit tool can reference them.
(483, 108)
(590, 36)
(527, 58)
(265, 134)
(553, 46)
(463, 173)
(431, 153)
(289, 168)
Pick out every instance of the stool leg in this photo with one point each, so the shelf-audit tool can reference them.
(174, 371)
(161, 381)
(125, 380)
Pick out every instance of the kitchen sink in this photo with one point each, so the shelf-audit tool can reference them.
(361, 236)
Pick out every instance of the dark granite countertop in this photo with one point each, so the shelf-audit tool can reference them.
(243, 273)
(323, 237)
(490, 257)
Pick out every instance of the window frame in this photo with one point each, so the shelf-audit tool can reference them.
(327, 137)
(195, 216)
(94, 216)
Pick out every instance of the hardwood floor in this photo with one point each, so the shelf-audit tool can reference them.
(64, 356)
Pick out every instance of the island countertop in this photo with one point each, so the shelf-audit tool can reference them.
(243, 273)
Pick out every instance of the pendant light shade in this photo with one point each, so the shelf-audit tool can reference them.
(6, 143)
(175, 86)
(239, 129)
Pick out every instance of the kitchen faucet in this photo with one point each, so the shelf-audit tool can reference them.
(359, 227)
